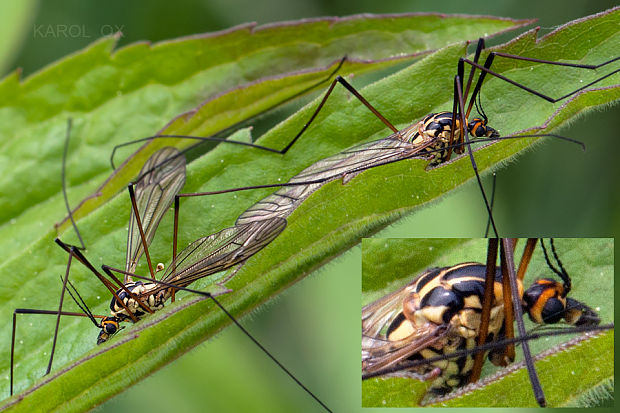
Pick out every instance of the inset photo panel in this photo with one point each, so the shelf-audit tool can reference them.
(482, 322)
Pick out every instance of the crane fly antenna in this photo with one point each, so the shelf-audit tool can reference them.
(557, 259)
(79, 301)
(64, 182)
(561, 272)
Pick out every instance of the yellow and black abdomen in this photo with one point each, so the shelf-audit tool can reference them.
(453, 295)
(449, 296)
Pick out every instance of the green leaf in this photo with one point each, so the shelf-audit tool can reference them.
(384, 39)
(115, 96)
(120, 95)
(333, 219)
(566, 374)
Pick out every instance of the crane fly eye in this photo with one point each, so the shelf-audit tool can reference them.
(111, 328)
(477, 127)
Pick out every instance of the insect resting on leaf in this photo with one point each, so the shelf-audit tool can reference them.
(432, 328)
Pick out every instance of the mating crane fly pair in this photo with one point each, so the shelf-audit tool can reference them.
(162, 178)
(434, 138)
(434, 326)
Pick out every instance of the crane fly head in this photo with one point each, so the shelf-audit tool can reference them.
(478, 127)
(109, 327)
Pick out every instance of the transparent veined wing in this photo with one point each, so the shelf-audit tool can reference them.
(347, 164)
(222, 250)
(162, 177)
(378, 351)
(377, 315)
(262, 223)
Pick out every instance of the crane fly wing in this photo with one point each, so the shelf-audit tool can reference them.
(263, 222)
(378, 351)
(222, 250)
(377, 315)
(361, 156)
(163, 176)
(283, 202)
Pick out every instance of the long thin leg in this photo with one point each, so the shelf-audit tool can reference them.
(355, 93)
(508, 353)
(33, 311)
(486, 307)
(284, 150)
(526, 257)
(479, 48)
(465, 135)
(71, 250)
(175, 230)
(174, 240)
(229, 130)
(13, 350)
(236, 322)
(64, 181)
(507, 255)
(136, 214)
(486, 231)
(62, 297)
(455, 115)
(489, 61)
(409, 364)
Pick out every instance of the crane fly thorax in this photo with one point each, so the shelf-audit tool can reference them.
(431, 135)
(433, 127)
(440, 313)
(449, 296)
(150, 294)
(452, 295)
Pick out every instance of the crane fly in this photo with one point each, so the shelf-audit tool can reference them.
(434, 138)
(437, 136)
(163, 177)
(417, 330)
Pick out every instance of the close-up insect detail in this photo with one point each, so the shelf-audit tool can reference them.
(439, 312)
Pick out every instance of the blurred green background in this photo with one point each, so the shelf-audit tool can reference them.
(314, 327)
